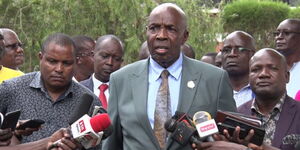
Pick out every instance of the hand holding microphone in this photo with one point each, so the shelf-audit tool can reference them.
(65, 141)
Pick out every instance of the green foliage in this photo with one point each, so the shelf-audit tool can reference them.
(33, 20)
(295, 13)
(258, 18)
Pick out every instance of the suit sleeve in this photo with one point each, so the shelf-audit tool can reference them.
(225, 94)
(114, 141)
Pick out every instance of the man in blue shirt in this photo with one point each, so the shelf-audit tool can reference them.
(193, 85)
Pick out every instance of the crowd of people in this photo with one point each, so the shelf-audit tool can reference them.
(141, 97)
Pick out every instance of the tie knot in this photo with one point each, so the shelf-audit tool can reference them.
(164, 74)
(103, 87)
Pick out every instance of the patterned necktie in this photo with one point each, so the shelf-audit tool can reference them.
(103, 87)
(162, 110)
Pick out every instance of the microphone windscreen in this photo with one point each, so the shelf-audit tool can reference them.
(100, 122)
(201, 116)
(82, 108)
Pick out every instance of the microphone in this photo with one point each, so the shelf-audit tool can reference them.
(205, 125)
(85, 130)
(82, 108)
(182, 129)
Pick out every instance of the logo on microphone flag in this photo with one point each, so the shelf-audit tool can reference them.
(207, 128)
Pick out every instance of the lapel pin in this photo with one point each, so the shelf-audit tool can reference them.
(191, 84)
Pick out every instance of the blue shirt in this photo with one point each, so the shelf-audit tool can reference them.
(243, 96)
(154, 82)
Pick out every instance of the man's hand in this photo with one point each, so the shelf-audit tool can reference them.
(5, 136)
(236, 136)
(218, 145)
(62, 140)
(25, 132)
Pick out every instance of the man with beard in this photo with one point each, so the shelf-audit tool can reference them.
(238, 48)
(108, 57)
(287, 37)
(279, 113)
(145, 94)
(13, 55)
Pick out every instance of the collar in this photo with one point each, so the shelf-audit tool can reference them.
(174, 69)
(97, 82)
(278, 106)
(244, 88)
(38, 83)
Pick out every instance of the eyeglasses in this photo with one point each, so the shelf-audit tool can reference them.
(85, 54)
(227, 50)
(284, 33)
(14, 46)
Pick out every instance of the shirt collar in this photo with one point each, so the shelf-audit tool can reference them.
(244, 88)
(37, 83)
(97, 82)
(174, 69)
(278, 106)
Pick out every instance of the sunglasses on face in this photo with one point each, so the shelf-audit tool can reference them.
(14, 46)
(227, 50)
(284, 33)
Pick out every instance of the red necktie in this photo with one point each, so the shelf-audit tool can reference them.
(102, 96)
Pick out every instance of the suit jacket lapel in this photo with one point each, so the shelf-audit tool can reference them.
(189, 82)
(286, 117)
(139, 87)
(91, 84)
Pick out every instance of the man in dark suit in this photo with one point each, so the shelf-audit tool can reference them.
(280, 114)
(108, 57)
(136, 93)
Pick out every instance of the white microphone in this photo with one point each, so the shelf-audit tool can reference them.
(205, 125)
(88, 131)
(85, 130)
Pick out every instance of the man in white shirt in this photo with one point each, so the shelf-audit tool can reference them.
(287, 37)
(239, 47)
(108, 57)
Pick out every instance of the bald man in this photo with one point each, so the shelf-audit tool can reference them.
(141, 101)
(279, 113)
(108, 57)
(239, 47)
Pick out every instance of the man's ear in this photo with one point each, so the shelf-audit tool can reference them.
(40, 56)
(287, 77)
(185, 36)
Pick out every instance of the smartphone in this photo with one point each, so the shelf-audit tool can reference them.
(10, 120)
(34, 123)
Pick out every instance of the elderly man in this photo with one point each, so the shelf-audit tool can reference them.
(13, 56)
(49, 94)
(6, 73)
(287, 37)
(145, 94)
(279, 113)
(108, 58)
(84, 64)
(238, 48)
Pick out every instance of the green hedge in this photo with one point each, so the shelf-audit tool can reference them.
(294, 13)
(258, 18)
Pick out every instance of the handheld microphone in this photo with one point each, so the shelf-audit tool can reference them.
(82, 108)
(85, 130)
(205, 125)
(182, 129)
